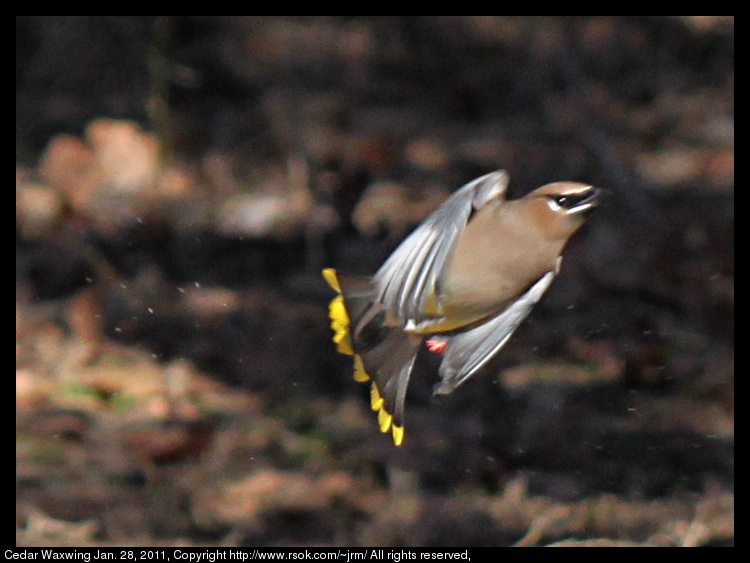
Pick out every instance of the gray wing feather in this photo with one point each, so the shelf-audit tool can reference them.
(406, 279)
(470, 350)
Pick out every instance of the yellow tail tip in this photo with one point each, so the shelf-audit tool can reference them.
(398, 434)
(360, 374)
(376, 400)
(385, 419)
(340, 325)
(385, 423)
(332, 278)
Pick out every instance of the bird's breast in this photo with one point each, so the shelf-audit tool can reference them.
(489, 271)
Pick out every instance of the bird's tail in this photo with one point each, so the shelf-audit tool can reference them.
(387, 352)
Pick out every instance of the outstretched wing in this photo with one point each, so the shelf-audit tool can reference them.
(408, 277)
(468, 351)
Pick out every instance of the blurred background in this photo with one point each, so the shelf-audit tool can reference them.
(182, 180)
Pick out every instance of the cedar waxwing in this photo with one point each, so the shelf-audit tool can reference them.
(461, 282)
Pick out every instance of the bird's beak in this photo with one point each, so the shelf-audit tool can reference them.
(584, 201)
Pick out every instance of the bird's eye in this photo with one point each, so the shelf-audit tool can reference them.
(570, 201)
(558, 202)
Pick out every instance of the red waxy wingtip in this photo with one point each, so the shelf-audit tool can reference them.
(436, 346)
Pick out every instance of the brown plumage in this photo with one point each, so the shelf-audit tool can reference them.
(462, 281)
